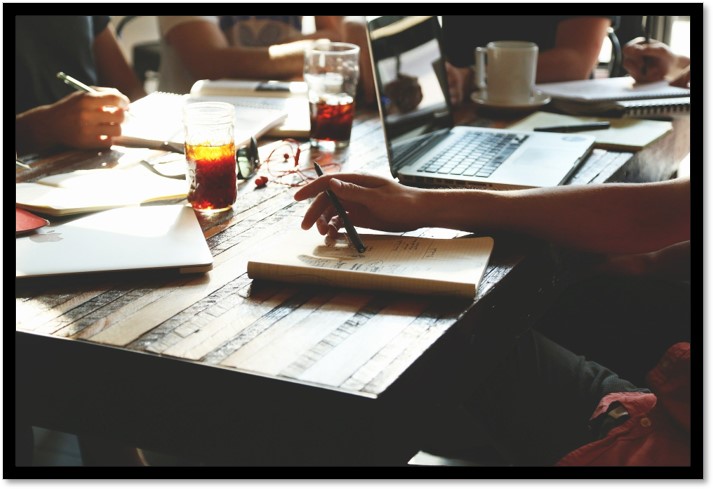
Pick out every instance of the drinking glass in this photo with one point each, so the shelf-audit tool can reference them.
(210, 154)
(331, 70)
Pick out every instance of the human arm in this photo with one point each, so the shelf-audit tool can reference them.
(460, 82)
(354, 31)
(113, 69)
(607, 218)
(206, 53)
(661, 63)
(326, 27)
(79, 120)
(578, 42)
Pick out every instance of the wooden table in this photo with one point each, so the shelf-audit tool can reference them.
(241, 373)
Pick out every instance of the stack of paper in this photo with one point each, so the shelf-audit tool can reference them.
(619, 96)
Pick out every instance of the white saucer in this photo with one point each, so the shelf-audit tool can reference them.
(538, 99)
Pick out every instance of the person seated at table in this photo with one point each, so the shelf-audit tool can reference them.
(49, 113)
(544, 404)
(245, 47)
(569, 46)
(661, 63)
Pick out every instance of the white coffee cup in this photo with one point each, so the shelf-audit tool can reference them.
(508, 74)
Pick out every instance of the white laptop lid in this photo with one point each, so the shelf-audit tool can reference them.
(157, 237)
(414, 132)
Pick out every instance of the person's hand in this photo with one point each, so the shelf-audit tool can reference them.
(404, 92)
(371, 201)
(682, 79)
(459, 79)
(354, 31)
(86, 120)
(657, 56)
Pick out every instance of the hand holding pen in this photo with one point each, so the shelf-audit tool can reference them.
(88, 122)
(648, 25)
(351, 232)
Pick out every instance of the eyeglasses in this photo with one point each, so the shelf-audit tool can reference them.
(283, 164)
(248, 159)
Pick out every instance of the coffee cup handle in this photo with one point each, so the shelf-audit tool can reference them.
(480, 78)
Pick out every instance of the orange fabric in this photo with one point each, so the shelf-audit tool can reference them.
(658, 430)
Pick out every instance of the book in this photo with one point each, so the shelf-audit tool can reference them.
(618, 97)
(396, 263)
(624, 134)
(156, 121)
(288, 96)
(83, 191)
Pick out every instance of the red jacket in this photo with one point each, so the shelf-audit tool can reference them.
(658, 430)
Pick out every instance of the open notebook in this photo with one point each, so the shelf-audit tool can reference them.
(290, 96)
(393, 263)
(158, 118)
(161, 237)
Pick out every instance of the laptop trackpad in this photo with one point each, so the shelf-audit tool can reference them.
(543, 166)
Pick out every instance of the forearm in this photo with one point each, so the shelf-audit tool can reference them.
(31, 132)
(563, 64)
(578, 43)
(278, 61)
(611, 218)
(112, 67)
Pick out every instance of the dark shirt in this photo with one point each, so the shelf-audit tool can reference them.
(463, 33)
(46, 44)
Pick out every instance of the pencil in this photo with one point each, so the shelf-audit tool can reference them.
(351, 232)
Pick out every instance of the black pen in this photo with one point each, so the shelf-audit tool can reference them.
(587, 126)
(647, 39)
(351, 232)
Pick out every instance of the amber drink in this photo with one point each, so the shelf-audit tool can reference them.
(331, 71)
(210, 155)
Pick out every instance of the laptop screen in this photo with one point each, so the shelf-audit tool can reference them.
(410, 81)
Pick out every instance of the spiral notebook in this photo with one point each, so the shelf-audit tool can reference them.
(156, 121)
(618, 97)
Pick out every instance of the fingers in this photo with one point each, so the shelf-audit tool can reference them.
(89, 120)
(315, 187)
(350, 188)
(319, 212)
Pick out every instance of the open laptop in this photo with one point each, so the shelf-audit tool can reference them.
(158, 237)
(425, 148)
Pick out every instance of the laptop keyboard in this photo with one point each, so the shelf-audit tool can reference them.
(474, 154)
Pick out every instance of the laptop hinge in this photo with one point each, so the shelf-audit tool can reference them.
(416, 149)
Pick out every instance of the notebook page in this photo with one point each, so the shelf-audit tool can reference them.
(398, 263)
(611, 89)
(158, 117)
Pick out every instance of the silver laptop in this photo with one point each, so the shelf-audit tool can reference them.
(424, 147)
(158, 237)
